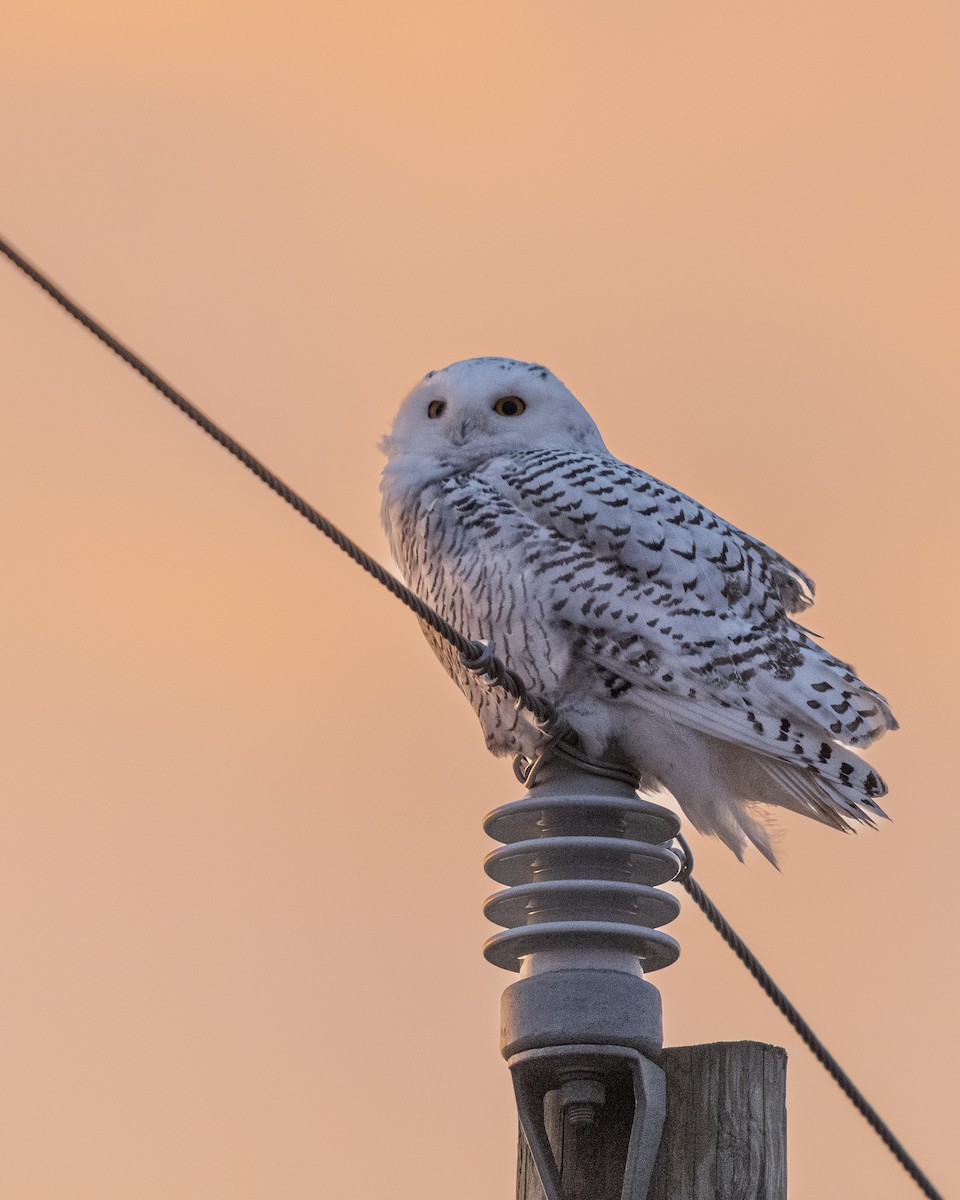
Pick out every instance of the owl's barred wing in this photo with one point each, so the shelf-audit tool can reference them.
(670, 597)
(623, 513)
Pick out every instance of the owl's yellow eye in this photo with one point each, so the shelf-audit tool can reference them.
(435, 409)
(509, 406)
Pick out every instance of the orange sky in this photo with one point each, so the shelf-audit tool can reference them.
(241, 833)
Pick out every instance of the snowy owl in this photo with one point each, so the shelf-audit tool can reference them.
(661, 633)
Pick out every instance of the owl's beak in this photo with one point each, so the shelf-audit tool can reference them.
(463, 427)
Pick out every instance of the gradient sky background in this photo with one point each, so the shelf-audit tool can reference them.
(240, 839)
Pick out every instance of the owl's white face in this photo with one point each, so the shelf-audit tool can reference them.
(477, 409)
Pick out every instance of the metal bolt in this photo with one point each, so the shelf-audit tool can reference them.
(581, 1097)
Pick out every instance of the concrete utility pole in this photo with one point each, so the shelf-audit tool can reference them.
(583, 858)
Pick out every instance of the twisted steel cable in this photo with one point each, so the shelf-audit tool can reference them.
(476, 656)
(800, 1026)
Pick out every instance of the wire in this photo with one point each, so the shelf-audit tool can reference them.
(479, 657)
(476, 656)
(800, 1026)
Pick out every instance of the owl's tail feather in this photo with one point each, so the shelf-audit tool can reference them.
(819, 769)
(795, 789)
(749, 782)
(801, 791)
(726, 788)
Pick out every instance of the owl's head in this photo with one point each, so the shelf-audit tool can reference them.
(477, 409)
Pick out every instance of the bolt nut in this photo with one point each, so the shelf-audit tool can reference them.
(580, 1098)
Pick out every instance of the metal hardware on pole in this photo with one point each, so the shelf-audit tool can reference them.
(583, 857)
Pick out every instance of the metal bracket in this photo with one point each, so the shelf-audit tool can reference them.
(596, 1069)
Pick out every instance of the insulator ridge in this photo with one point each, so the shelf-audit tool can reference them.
(583, 873)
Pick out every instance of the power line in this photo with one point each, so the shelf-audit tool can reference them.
(479, 657)
(800, 1026)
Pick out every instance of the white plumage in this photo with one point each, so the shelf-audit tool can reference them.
(659, 631)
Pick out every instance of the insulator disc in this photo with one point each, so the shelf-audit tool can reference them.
(607, 901)
(533, 816)
(582, 858)
(654, 949)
